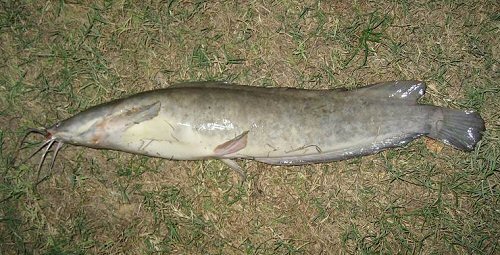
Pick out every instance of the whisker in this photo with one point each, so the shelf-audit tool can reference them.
(28, 132)
(33, 130)
(44, 155)
(58, 147)
(38, 149)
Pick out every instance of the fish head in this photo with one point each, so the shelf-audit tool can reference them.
(101, 126)
(87, 128)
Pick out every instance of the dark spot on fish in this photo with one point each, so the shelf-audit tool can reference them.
(175, 138)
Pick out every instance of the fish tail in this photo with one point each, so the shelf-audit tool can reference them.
(461, 129)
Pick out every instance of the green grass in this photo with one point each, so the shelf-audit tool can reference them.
(59, 58)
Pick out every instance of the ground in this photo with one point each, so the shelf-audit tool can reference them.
(61, 57)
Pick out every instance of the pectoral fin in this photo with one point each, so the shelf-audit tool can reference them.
(122, 119)
(135, 115)
(232, 146)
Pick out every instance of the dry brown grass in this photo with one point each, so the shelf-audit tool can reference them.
(58, 58)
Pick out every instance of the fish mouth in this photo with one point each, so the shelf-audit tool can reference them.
(51, 130)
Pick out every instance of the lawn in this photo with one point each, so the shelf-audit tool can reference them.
(58, 58)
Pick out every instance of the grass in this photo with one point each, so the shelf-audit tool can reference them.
(59, 58)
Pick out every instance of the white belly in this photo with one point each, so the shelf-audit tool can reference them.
(167, 139)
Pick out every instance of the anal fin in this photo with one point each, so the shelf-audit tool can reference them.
(232, 146)
(235, 167)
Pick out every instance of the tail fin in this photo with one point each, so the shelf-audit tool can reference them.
(461, 129)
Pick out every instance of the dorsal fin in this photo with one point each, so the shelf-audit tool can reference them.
(203, 84)
(409, 91)
(284, 91)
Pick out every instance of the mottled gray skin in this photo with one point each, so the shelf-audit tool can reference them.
(290, 119)
(285, 125)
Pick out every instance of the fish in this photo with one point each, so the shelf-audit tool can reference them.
(277, 126)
